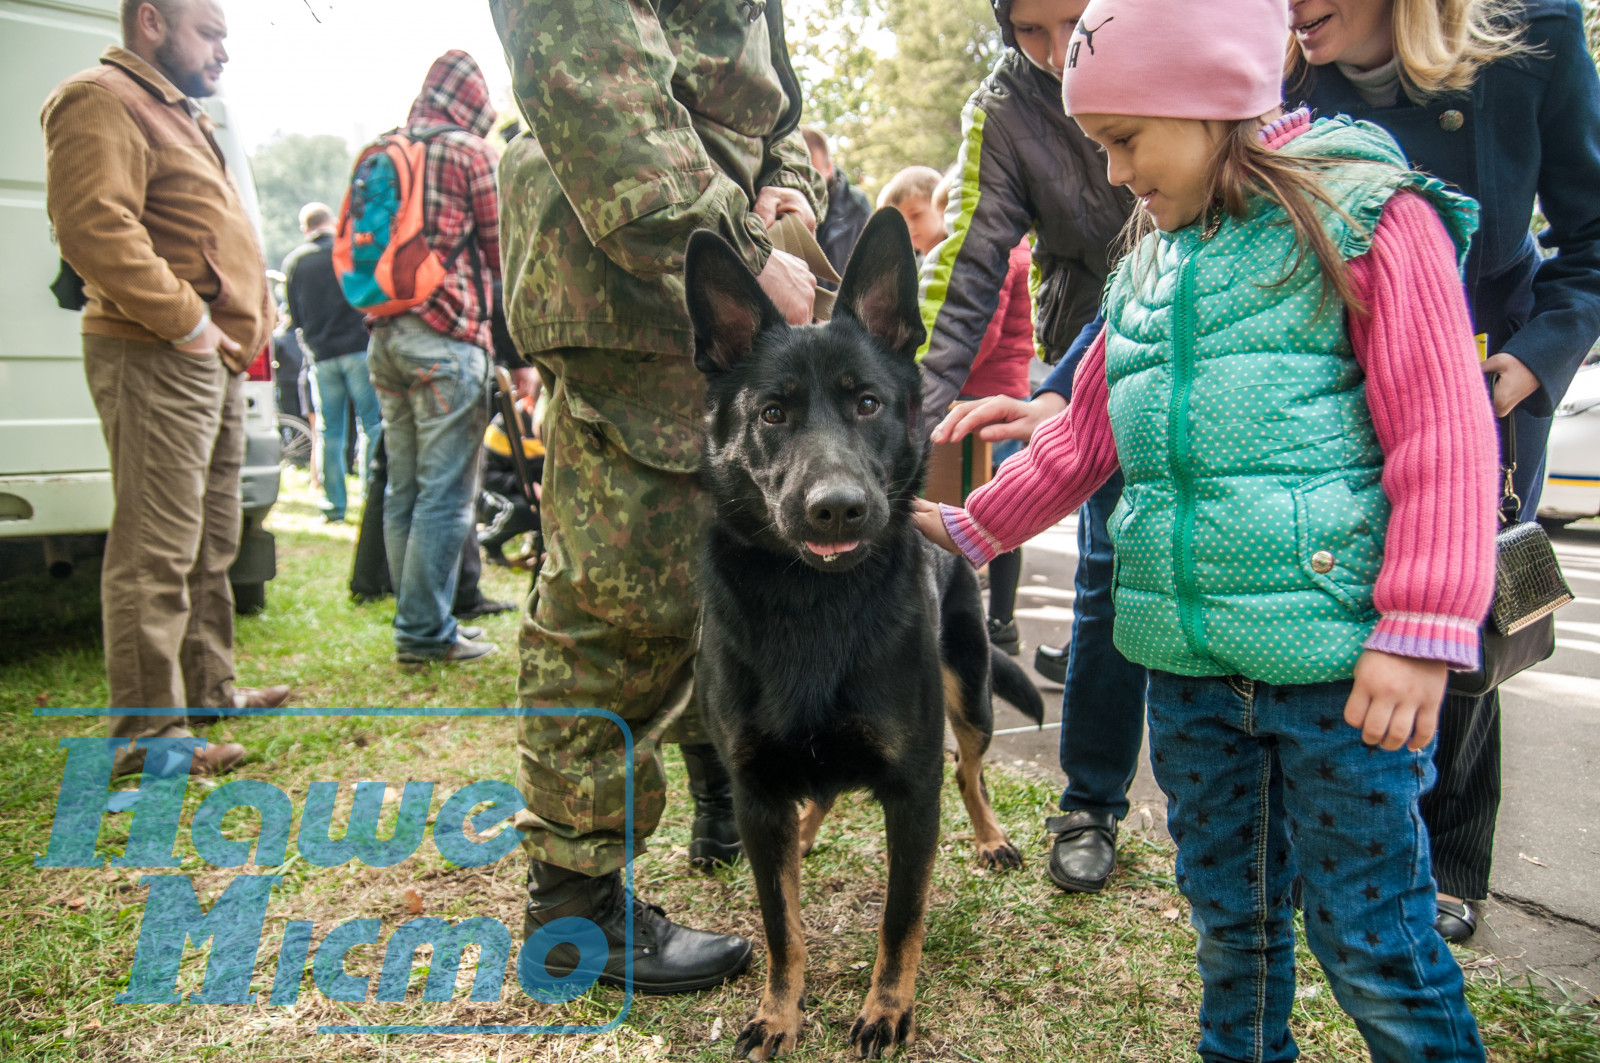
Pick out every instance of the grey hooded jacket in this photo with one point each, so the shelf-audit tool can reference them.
(1024, 166)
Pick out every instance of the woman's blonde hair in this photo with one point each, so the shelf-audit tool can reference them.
(1442, 44)
(1243, 168)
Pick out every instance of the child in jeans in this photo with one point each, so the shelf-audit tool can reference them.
(1288, 383)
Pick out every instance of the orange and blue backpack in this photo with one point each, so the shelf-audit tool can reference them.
(380, 251)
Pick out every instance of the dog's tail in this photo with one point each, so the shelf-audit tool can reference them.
(1012, 684)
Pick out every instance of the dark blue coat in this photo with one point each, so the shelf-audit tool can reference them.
(1526, 127)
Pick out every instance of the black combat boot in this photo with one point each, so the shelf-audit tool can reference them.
(714, 837)
(667, 958)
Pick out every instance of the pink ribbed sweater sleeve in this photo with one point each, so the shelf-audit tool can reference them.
(1431, 415)
(1070, 456)
(1433, 420)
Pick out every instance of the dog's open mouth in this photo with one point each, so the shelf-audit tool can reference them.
(832, 551)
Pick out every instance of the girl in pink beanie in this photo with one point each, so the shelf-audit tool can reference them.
(1288, 382)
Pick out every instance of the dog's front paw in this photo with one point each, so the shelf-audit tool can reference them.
(882, 1026)
(1002, 856)
(769, 1034)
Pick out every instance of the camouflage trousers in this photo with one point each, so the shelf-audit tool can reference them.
(611, 623)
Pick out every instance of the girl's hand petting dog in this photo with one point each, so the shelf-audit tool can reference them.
(1395, 700)
(931, 524)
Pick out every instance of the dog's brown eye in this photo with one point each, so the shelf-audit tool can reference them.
(773, 414)
(868, 405)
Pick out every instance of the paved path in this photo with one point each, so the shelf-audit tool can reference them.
(1545, 911)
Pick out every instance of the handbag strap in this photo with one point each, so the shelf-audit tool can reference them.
(1510, 504)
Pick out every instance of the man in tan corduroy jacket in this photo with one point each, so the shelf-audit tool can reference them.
(145, 210)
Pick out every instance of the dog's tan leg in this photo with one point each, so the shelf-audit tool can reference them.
(772, 848)
(994, 848)
(886, 1016)
(812, 814)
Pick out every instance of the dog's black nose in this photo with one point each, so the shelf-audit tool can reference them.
(837, 510)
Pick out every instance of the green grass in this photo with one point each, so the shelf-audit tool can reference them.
(1014, 970)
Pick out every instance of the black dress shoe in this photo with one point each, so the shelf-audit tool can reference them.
(1085, 850)
(1051, 663)
(1455, 922)
(714, 836)
(667, 958)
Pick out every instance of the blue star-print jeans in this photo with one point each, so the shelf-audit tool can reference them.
(1264, 783)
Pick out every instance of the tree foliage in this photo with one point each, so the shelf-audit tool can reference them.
(887, 79)
(291, 171)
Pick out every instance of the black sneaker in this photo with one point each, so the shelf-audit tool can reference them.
(1003, 636)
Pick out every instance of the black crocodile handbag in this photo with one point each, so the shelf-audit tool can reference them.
(1528, 589)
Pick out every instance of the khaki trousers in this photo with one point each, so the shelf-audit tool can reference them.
(174, 426)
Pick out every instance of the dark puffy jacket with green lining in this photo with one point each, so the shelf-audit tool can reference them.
(1025, 167)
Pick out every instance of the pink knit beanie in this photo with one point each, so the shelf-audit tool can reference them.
(1220, 59)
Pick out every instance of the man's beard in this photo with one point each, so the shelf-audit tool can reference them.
(190, 83)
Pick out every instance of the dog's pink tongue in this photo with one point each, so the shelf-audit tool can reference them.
(830, 549)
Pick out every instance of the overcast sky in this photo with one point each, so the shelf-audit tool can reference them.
(346, 67)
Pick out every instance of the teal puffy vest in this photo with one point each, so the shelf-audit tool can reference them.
(1251, 530)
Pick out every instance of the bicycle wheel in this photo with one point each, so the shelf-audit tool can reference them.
(295, 441)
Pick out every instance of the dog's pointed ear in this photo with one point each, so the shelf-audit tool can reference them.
(726, 304)
(879, 288)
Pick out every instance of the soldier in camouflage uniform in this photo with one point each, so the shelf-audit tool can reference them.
(643, 127)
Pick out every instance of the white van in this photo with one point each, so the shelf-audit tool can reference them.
(55, 479)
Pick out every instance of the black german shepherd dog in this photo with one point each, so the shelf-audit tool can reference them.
(836, 639)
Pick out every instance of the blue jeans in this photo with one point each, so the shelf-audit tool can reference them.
(433, 393)
(1102, 709)
(1267, 782)
(335, 384)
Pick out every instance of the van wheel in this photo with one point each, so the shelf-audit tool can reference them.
(249, 598)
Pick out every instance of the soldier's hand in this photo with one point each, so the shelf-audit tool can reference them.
(773, 202)
(209, 343)
(788, 282)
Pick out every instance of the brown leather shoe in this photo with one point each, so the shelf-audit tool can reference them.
(264, 698)
(216, 759)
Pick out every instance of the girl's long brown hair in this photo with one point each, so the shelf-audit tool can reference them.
(1242, 168)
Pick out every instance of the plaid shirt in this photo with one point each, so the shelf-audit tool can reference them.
(461, 211)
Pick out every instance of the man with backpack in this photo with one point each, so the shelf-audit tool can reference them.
(418, 248)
